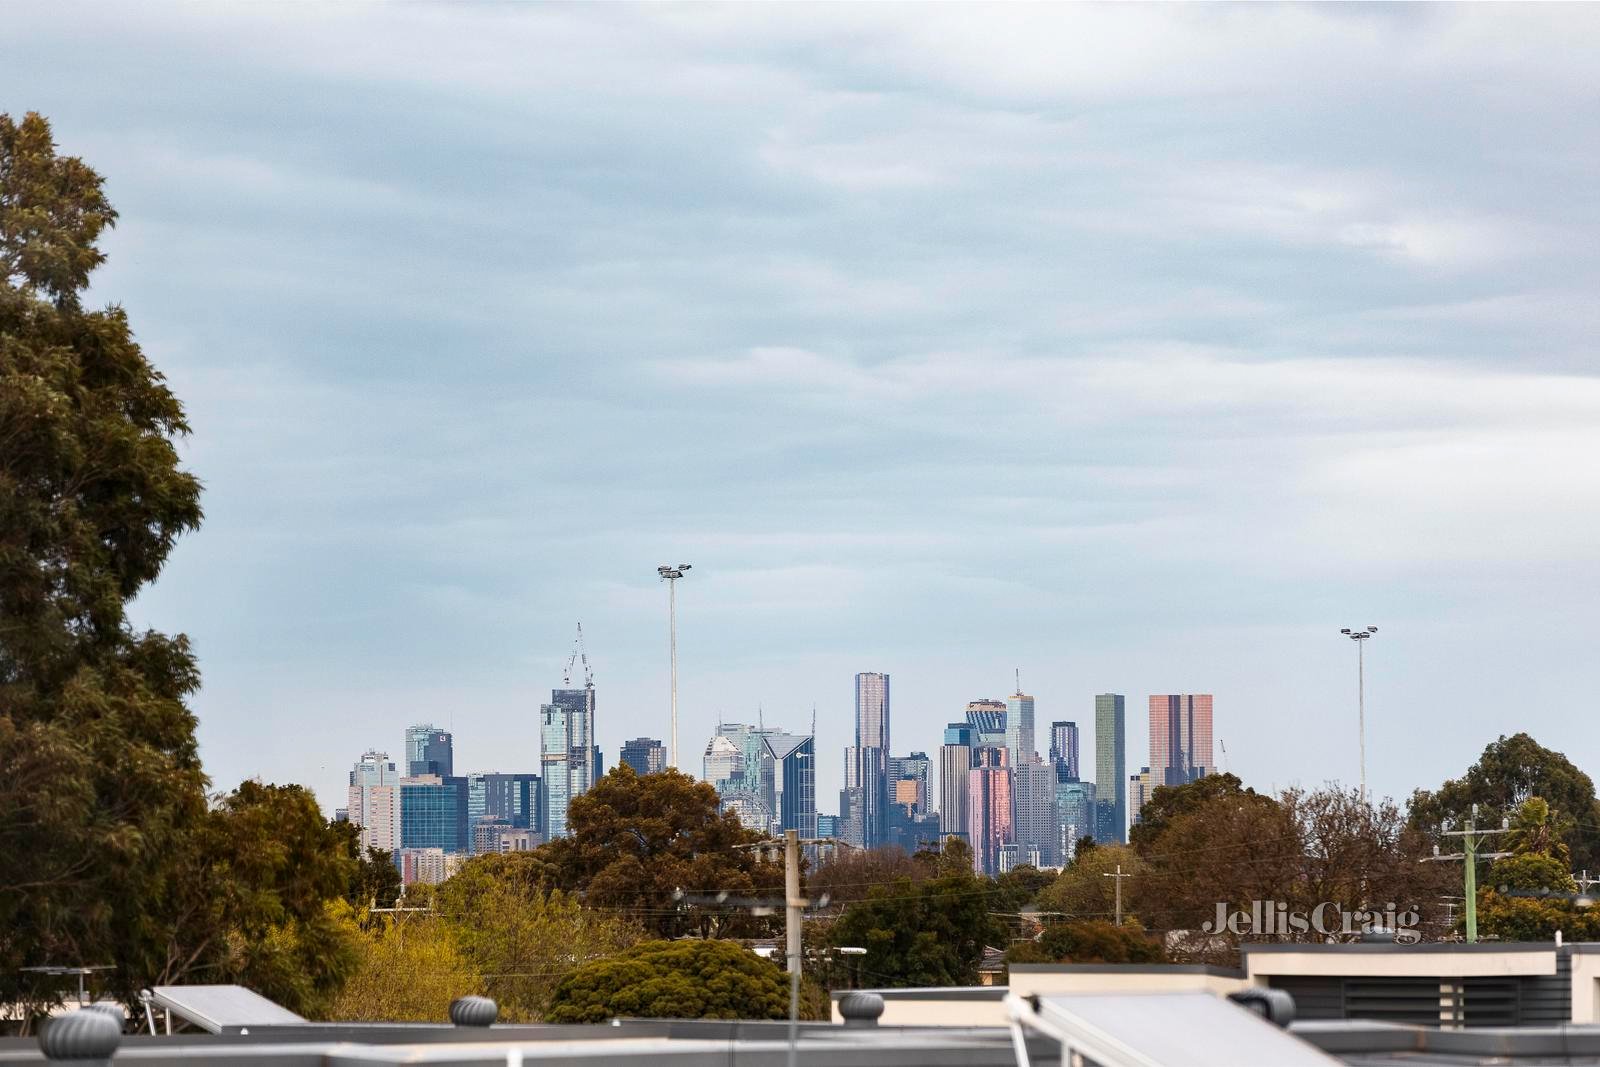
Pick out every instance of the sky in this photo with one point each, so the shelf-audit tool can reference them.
(1138, 349)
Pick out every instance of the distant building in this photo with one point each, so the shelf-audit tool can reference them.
(864, 801)
(1064, 746)
(1019, 728)
(488, 834)
(568, 757)
(827, 825)
(1140, 786)
(749, 791)
(646, 755)
(872, 743)
(908, 780)
(374, 801)
(1110, 769)
(512, 798)
(433, 813)
(794, 763)
(520, 840)
(955, 760)
(988, 811)
(723, 763)
(429, 750)
(988, 720)
(1180, 737)
(427, 865)
(1075, 812)
(1034, 825)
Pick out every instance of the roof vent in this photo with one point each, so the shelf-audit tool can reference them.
(86, 1036)
(473, 1011)
(859, 1009)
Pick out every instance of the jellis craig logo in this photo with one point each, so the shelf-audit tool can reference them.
(1274, 918)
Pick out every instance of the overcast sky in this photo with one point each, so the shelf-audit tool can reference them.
(1139, 348)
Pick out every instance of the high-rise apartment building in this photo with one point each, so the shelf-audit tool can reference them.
(865, 798)
(429, 750)
(1034, 825)
(988, 812)
(741, 776)
(794, 771)
(1110, 768)
(1064, 746)
(646, 755)
(1019, 728)
(374, 801)
(988, 719)
(955, 760)
(568, 756)
(908, 781)
(1180, 737)
(1140, 786)
(872, 742)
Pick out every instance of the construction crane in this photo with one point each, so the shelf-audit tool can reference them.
(1224, 745)
(579, 652)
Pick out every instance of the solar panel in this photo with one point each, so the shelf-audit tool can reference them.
(1171, 1030)
(221, 1007)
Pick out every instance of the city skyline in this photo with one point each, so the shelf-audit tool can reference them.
(936, 351)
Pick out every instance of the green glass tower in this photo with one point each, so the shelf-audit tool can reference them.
(1110, 769)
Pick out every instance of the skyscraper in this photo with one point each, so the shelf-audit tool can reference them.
(1075, 812)
(955, 760)
(433, 813)
(645, 755)
(1180, 737)
(1019, 728)
(513, 798)
(750, 792)
(722, 763)
(429, 751)
(1034, 825)
(1064, 746)
(568, 755)
(374, 803)
(988, 720)
(908, 781)
(864, 801)
(988, 812)
(794, 770)
(1110, 769)
(1140, 786)
(872, 743)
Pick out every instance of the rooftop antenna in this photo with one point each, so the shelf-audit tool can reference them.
(814, 725)
(761, 722)
(1019, 681)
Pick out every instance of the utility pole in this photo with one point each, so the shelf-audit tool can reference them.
(671, 575)
(1584, 881)
(1360, 638)
(793, 906)
(1119, 876)
(1471, 838)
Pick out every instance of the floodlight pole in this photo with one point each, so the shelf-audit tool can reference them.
(671, 576)
(1360, 637)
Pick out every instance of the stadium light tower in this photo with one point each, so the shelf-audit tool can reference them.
(670, 575)
(1360, 638)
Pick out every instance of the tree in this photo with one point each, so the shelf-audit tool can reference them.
(1091, 941)
(635, 843)
(1020, 886)
(408, 971)
(852, 875)
(523, 938)
(929, 933)
(1083, 892)
(102, 783)
(375, 881)
(1167, 802)
(1511, 770)
(673, 980)
(1527, 895)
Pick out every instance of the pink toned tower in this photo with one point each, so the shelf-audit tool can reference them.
(1180, 737)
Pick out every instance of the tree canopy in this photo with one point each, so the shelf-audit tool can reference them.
(636, 842)
(927, 933)
(688, 979)
(1511, 770)
(1090, 941)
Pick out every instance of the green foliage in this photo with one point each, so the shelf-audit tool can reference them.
(673, 980)
(376, 880)
(1512, 905)
(1020, 886)
(1511, 770)
(1168, 802)
(102, 791)
(522, 938)
(1083, 891)
(1089, 942)
(929, 933)
(635, 842)
(408, 971)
